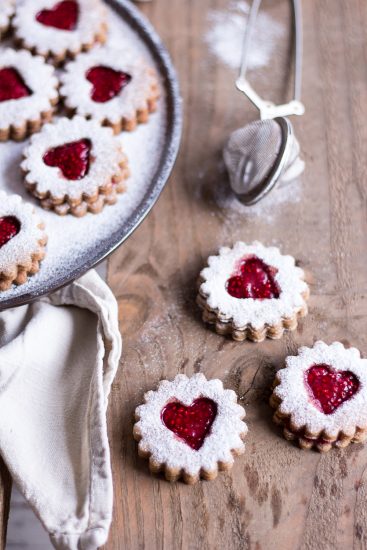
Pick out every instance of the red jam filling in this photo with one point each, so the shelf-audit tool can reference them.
(9, 227)
(253, 279)
(107, 83)
(12, 85)
(64, 15)
(329, 388)
(191, 424)
(72, 158)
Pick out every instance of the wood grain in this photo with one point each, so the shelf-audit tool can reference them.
(276, 496)
(5, 494)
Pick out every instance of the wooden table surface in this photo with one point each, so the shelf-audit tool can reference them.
(276, 496)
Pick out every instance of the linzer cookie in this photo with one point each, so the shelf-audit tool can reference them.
(112, 87)
(190, 428)
(252, 291)
(22, 241)
(28, 94)
(7, 8)
(57, 30)
(320, 397)
(75, 166)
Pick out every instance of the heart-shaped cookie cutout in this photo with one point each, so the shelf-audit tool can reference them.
(330, 388)
(9, 227)
(253, 279)
(107, 82)
(64, 15)
(72, 158)
(12, 85)
(190, 423)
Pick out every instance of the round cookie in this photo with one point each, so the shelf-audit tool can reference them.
(320, 397)
(22, 241)
(28, 93)
(75, 166)
(60, 29)
(252, 291)
(190, 428)
(110, 86)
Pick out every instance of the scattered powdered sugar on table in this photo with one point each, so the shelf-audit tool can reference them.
(225, 35)
(71, 237)
(268, 208)
(225, 38)
(231, 208)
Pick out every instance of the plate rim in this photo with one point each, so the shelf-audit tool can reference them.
(152, 40)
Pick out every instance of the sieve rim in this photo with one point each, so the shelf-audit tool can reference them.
(257, 193)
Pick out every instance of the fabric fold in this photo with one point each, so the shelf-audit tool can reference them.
(58, 358)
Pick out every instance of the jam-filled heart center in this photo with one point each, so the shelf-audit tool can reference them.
(253, 279)
(190, 423)
(64, 15)
(73, 159)
(330, 388)
(12, 85)
(9, 227)
(107, 83)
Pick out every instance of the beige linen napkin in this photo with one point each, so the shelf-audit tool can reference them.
(58, 358)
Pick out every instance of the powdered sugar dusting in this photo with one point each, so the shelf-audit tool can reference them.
(50, 39)
(77, 89)
(6, 11)
(249, 311)
(71, 237)
(166, 448)
(267, 209)
(225, 36)
(295, 397)
(39, 77)
(19, 250)
(106, 151)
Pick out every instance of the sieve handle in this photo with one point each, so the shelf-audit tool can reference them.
(267, 108)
